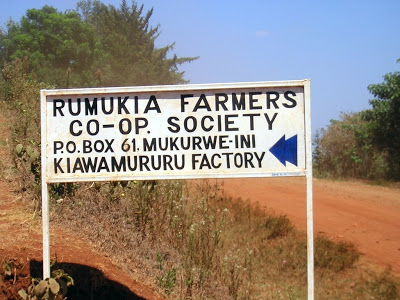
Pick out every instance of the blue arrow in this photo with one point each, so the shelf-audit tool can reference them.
(285, 150)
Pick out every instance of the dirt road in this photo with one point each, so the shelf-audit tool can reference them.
(369, 216)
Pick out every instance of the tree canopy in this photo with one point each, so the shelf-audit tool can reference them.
(95, 45)
(364, 144)
(53, 42)
(384, 118)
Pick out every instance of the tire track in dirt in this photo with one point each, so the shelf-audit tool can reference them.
(368, 216)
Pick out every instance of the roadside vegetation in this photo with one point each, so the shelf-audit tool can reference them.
(364, 145)
(186, 237)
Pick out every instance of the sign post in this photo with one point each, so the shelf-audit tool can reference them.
(309, 193)
(45, 193)
(257, 129)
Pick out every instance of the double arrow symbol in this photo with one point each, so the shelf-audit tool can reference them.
(285, 150)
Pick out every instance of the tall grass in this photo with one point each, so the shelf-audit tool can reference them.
(197, 243)
(20, 96)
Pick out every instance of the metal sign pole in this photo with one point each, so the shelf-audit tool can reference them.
(310, 239)
(46, 231)
(45, 193)
(309, 176)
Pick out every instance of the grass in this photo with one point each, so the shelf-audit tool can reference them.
(197, 243)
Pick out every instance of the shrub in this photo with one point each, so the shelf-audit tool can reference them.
(382, 286)
(277, 226)
(335, 256)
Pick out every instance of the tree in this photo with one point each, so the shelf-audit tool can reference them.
(55, 44)
(385, 119)
(132, 58)
(364, 144)
(345, 149)
(96, 45)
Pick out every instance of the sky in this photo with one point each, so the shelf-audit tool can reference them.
(341, 46)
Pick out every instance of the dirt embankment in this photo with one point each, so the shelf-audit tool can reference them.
(21, 239)
(368, 216)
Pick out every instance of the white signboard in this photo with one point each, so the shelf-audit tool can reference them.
(183, 131)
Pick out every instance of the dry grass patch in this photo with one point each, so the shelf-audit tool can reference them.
(192, 242)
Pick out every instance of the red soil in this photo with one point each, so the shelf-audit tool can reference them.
(368, 216)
